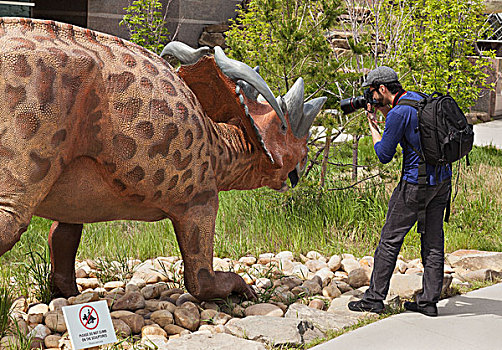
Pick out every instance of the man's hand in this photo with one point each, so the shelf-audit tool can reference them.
(371, 114)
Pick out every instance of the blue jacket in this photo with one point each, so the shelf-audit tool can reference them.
(402, 122)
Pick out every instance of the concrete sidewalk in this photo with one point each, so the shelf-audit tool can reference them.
(471, 321)
(489, 133)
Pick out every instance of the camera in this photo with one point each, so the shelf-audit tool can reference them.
(351, 104)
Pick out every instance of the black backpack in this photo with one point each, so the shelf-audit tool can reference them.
(445, 134)
(445, 137)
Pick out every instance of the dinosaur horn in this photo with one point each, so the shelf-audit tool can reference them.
(248, 89)
(294, 104)
(310, 110)
(236, 70)
(184, 53)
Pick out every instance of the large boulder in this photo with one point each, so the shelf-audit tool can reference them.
(275, 331)
(475, 260)
(405, 286)
(321, 320)
(218, 341)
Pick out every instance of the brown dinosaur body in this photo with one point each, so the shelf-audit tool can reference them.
(94, 128)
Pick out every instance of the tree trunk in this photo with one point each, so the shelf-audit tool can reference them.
(325, 157)
(355, 151)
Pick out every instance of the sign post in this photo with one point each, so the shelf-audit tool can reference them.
(89, 325)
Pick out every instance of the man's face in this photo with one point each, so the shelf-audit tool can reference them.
(375, 92)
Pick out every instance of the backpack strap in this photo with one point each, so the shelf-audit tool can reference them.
(422, 167)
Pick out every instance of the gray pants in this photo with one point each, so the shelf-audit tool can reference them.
(401, 216)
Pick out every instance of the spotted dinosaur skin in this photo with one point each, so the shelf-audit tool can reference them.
(94, 128)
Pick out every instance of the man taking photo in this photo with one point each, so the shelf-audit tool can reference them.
(401, 127)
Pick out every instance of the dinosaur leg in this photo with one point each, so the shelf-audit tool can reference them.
(195, 234)
(63, 244)
(11, 228)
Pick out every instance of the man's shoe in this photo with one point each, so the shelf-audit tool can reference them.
(428, 310)
(366, 306)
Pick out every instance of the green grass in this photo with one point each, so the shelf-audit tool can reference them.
(304, 219)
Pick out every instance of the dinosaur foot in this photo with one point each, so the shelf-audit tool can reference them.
(222, 285)
(63, 286)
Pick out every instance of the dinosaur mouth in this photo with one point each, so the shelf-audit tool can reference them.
(284, 187)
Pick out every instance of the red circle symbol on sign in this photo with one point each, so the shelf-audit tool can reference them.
(88, 317)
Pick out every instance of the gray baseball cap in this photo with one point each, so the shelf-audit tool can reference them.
(380, 75)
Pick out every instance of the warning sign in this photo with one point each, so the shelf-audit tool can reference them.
(89, 325)
(89, 317)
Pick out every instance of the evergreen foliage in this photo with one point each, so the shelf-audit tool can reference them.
(286, 38)
(147, 24)
(436, 50)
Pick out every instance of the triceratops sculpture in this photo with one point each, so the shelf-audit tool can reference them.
(95, 128)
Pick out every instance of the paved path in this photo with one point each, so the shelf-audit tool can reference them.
(471, 321)
(488, 134)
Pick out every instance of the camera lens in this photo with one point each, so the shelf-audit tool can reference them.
(352, 104)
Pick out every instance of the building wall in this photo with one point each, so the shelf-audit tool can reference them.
(74, 11)
(186, 17)
(105, 16)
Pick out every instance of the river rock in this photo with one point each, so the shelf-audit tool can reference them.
(150, 274)
(84, 298)
(121, 328)
(290, 282)
(137, 281)
(187, 318)
(326, 275)
(313, 255)
(401, 266)
(475, 260)
(359, 277)
(134, 321)
(162, 318)
(264, 309)
(88, 283)
(285, 255)
(55, 321)
(331, 291)
(150, 292)
(172, 329)
(406, 286)
(263, 283)
(9, 342)
(316, 265)
(113, 285)
(209, 341)
(349, 264)
(130, 301)
(186, 297)
(343, 286)
(57, 304)
(415, 264)
(248, 260)
(266, 258)
(153, 330)
(275, 331)
(207, 316)
(20, 304)
(52, 341)
(39, 332)
(335, 262)
(367, 262)
(41, 309)
(300, 270)
(317, 304)
(314, 285)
